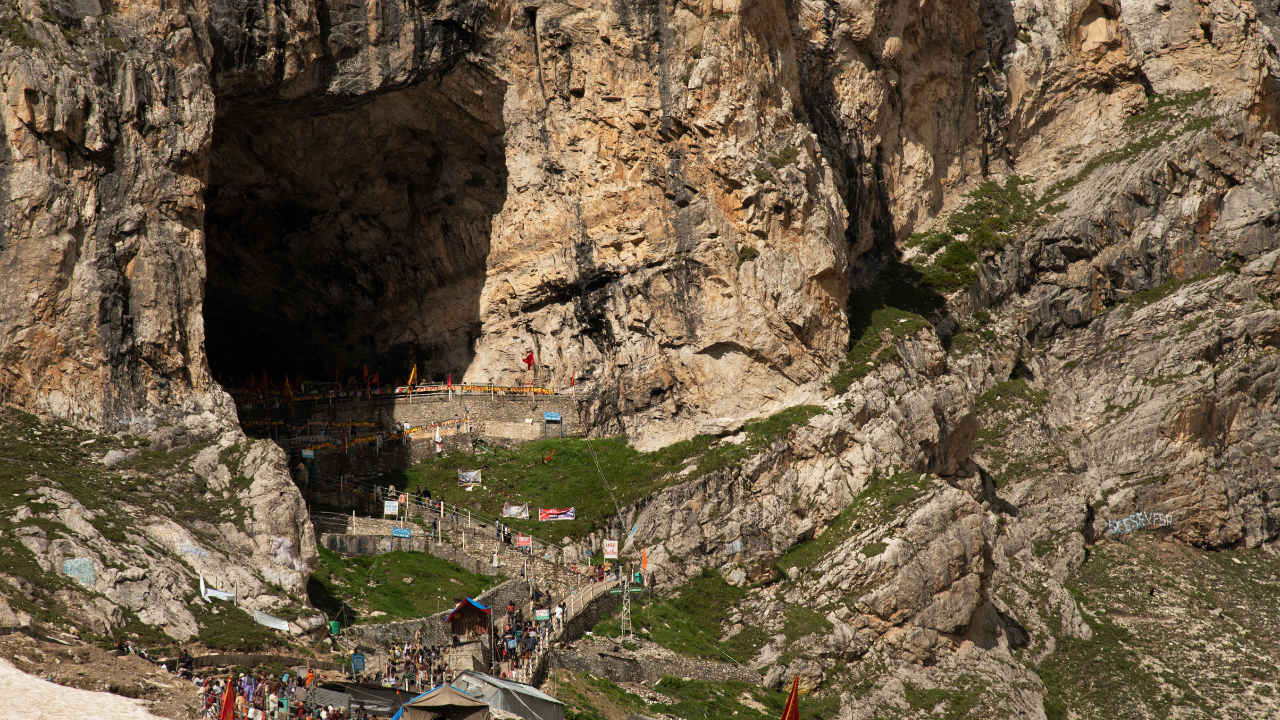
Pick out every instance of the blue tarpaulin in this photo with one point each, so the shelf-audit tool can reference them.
(468, 602)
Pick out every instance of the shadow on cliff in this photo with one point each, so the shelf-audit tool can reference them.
(353, 234)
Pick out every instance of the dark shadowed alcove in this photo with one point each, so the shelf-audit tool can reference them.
(353, 232)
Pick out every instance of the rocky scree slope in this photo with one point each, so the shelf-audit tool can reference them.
(983, 578)
(105, 537)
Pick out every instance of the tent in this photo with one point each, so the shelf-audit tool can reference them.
(523, 700)
(375, 699)
(469, 619)
(444, 703)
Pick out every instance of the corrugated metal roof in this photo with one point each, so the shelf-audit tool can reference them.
(512, 686)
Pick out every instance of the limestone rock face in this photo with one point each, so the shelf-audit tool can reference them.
(661, 202)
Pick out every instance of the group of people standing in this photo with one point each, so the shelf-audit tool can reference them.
(262, 697)
(414, 666)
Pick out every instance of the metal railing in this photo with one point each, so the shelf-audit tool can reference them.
(278, 400)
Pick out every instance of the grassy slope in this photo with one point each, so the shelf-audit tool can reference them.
(1142, 600)
(691, 624)
(571, 479)
(354, 587)
(592, 698)
(29, 448)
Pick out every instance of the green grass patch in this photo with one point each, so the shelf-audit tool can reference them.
(570, 477)
(890, 310)
(1167, 107)
(784, 158)
(232, 629)
(994, 214)
(968, 339)
(722, 701)
(1012, 393)
(762, 175)
(747, 254)
(879, 501)
(884, 496)
(958, 702)
(802, 621)
(692, 623)
(15, 31)
(352, 587)
(1155, 294)
(873, 549)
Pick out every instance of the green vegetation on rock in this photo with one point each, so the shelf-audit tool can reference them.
(570, 478)
(692, 623)
(352, 588)
(878, 502)
(881, 315)
(724, 701)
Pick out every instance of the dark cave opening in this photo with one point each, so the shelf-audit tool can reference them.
(353, 234)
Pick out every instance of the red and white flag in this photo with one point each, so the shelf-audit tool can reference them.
(554, 514)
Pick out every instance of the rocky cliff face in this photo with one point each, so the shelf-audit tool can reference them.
(661, 200)
(1040, 235)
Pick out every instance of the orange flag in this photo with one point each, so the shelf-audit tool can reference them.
(791, 711)
(228, 701)
(644, 559)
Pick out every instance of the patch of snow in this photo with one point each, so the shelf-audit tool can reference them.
(27, 697)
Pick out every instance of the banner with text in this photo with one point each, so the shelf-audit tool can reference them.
(554, 514)
(515, 511)
(610, 549)
(469, 477)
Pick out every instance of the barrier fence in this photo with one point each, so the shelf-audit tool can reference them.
(275, 399)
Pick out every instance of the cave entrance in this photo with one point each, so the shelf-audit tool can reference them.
(353, 233)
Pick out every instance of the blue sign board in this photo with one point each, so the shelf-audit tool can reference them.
(357, 662)
(308, 454)
(401, 532)
(550, 417)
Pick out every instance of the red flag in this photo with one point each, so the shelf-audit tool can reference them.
(791, 711)
(337, 373)
(547, 458)
(366, 377)
(375, 379)
(228, 711)
(450, 380)
(528, 360)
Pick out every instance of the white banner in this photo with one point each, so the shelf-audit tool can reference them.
(209, 593)
(390, 507)
(610, 549)
(270, 621)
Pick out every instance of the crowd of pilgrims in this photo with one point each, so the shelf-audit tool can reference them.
(261, 697)
(413, 667)
(517, 639)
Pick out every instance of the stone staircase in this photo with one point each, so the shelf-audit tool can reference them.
(475, 544)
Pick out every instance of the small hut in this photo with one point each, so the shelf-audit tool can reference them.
(469, 620)
(444, 703)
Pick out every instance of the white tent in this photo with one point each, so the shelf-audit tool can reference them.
(524, 700)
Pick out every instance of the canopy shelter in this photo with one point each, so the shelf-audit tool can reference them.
(469, 619)
(444, 703)
(524, 700)
(375, 699)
